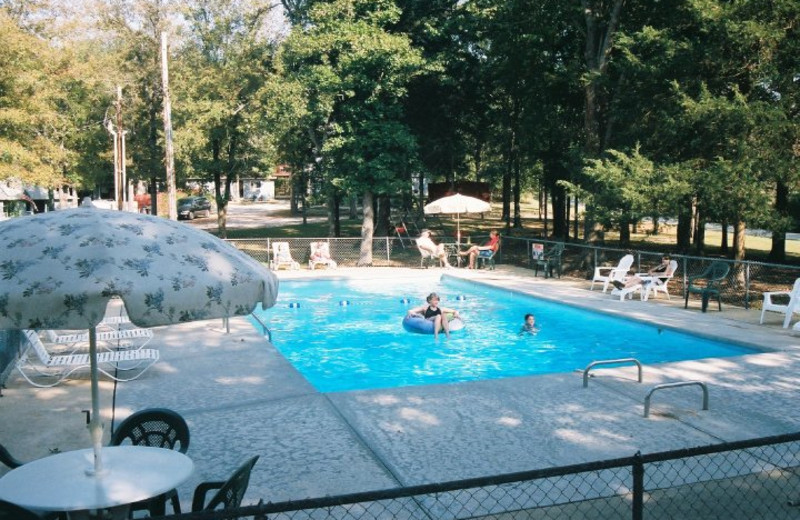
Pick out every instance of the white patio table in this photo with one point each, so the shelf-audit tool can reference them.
(65, 482)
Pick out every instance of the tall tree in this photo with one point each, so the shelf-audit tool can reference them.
(354, 75)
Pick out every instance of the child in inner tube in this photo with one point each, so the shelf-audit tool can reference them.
(438, 315)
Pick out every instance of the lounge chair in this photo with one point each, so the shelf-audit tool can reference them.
(282, 256)
(607, 274)
(320, 255)
(658, 282)
(120, 338)
(485, 257)
(708, 284)
(56, 368)
(428, 250)
(788, 309)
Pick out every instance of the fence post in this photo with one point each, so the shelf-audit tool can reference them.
(388, 253)
(637, 505)
(747, 286)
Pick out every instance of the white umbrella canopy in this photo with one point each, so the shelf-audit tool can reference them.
(457, 204)
(60, 269)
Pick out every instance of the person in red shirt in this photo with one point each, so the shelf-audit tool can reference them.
(492, 245)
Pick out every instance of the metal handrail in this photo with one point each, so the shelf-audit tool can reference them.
(609, 362)
(675, 385)
(267, 332)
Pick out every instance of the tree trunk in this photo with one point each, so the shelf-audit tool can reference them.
(778, 251)
(383, 216)
(625, 233)
(517, 182)
(597, 50)
(723, 246)
(353, 207)
(739, 231)
(333, 211)
(367, 229)
(560, 212)
(684, 230)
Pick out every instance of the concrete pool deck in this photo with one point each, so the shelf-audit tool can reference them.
(241, 398)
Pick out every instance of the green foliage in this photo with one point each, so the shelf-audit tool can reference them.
(346, 76)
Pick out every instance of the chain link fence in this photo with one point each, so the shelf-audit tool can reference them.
(744, 286)
(754, 479)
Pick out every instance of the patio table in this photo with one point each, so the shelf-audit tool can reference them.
(65, 482)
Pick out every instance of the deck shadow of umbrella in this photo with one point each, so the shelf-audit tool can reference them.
(61, 269)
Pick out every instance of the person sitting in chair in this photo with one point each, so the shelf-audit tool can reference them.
(662, 268)
(426, 243)
(493, 244)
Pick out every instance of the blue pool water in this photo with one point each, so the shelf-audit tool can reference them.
(347, 335)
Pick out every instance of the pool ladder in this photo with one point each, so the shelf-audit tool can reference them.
(266, 332)
(649, 395)
(610, 362)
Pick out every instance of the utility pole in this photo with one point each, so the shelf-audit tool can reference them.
(169, 159)
(120, 178)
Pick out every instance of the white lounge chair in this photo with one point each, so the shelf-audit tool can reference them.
(282, 256)
(56, 368)
(120, 338)
(607, 274)
(793, 306)
(320, 255)
(428, 250)
(658, 282)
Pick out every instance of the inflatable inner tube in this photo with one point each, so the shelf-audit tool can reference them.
(416, 323)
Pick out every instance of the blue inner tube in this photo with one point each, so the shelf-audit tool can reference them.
(416, 323)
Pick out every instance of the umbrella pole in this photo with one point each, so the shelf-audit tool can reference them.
(95, 426)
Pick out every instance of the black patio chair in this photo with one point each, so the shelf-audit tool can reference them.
(158, 428)
(7, 459)
(9, 511)
(229, 493)
(549, 261)
(708, 284)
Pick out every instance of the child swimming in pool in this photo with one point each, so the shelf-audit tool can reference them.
(431, 311)
(529, 327)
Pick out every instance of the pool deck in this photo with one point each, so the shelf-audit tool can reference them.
(242, 398)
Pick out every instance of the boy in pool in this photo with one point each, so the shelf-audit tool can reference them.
(529, 327)
(431, 311)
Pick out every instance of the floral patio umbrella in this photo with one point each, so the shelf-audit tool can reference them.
(60, 269)
(457, 204)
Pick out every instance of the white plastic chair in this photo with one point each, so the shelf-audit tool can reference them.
(282, 256)
(607, 274)
(788, 309)
(56, 368)
(320, 255)
(658, 282)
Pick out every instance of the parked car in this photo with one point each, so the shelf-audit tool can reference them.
(191, 207)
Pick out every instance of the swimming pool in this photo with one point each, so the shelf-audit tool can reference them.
(344, 334)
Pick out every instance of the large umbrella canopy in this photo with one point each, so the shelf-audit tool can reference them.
(457, 204)
(60, 269)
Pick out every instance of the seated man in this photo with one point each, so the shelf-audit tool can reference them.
(493, 244)
(426, 244)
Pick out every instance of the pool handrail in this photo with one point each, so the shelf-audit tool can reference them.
(267, 332)
(610, 362)
(675, 385)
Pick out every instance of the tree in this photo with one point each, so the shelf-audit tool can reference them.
(219, 121)
(354, 75)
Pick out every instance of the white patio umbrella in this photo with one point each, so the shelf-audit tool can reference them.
(457, 204)
(60, 269)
